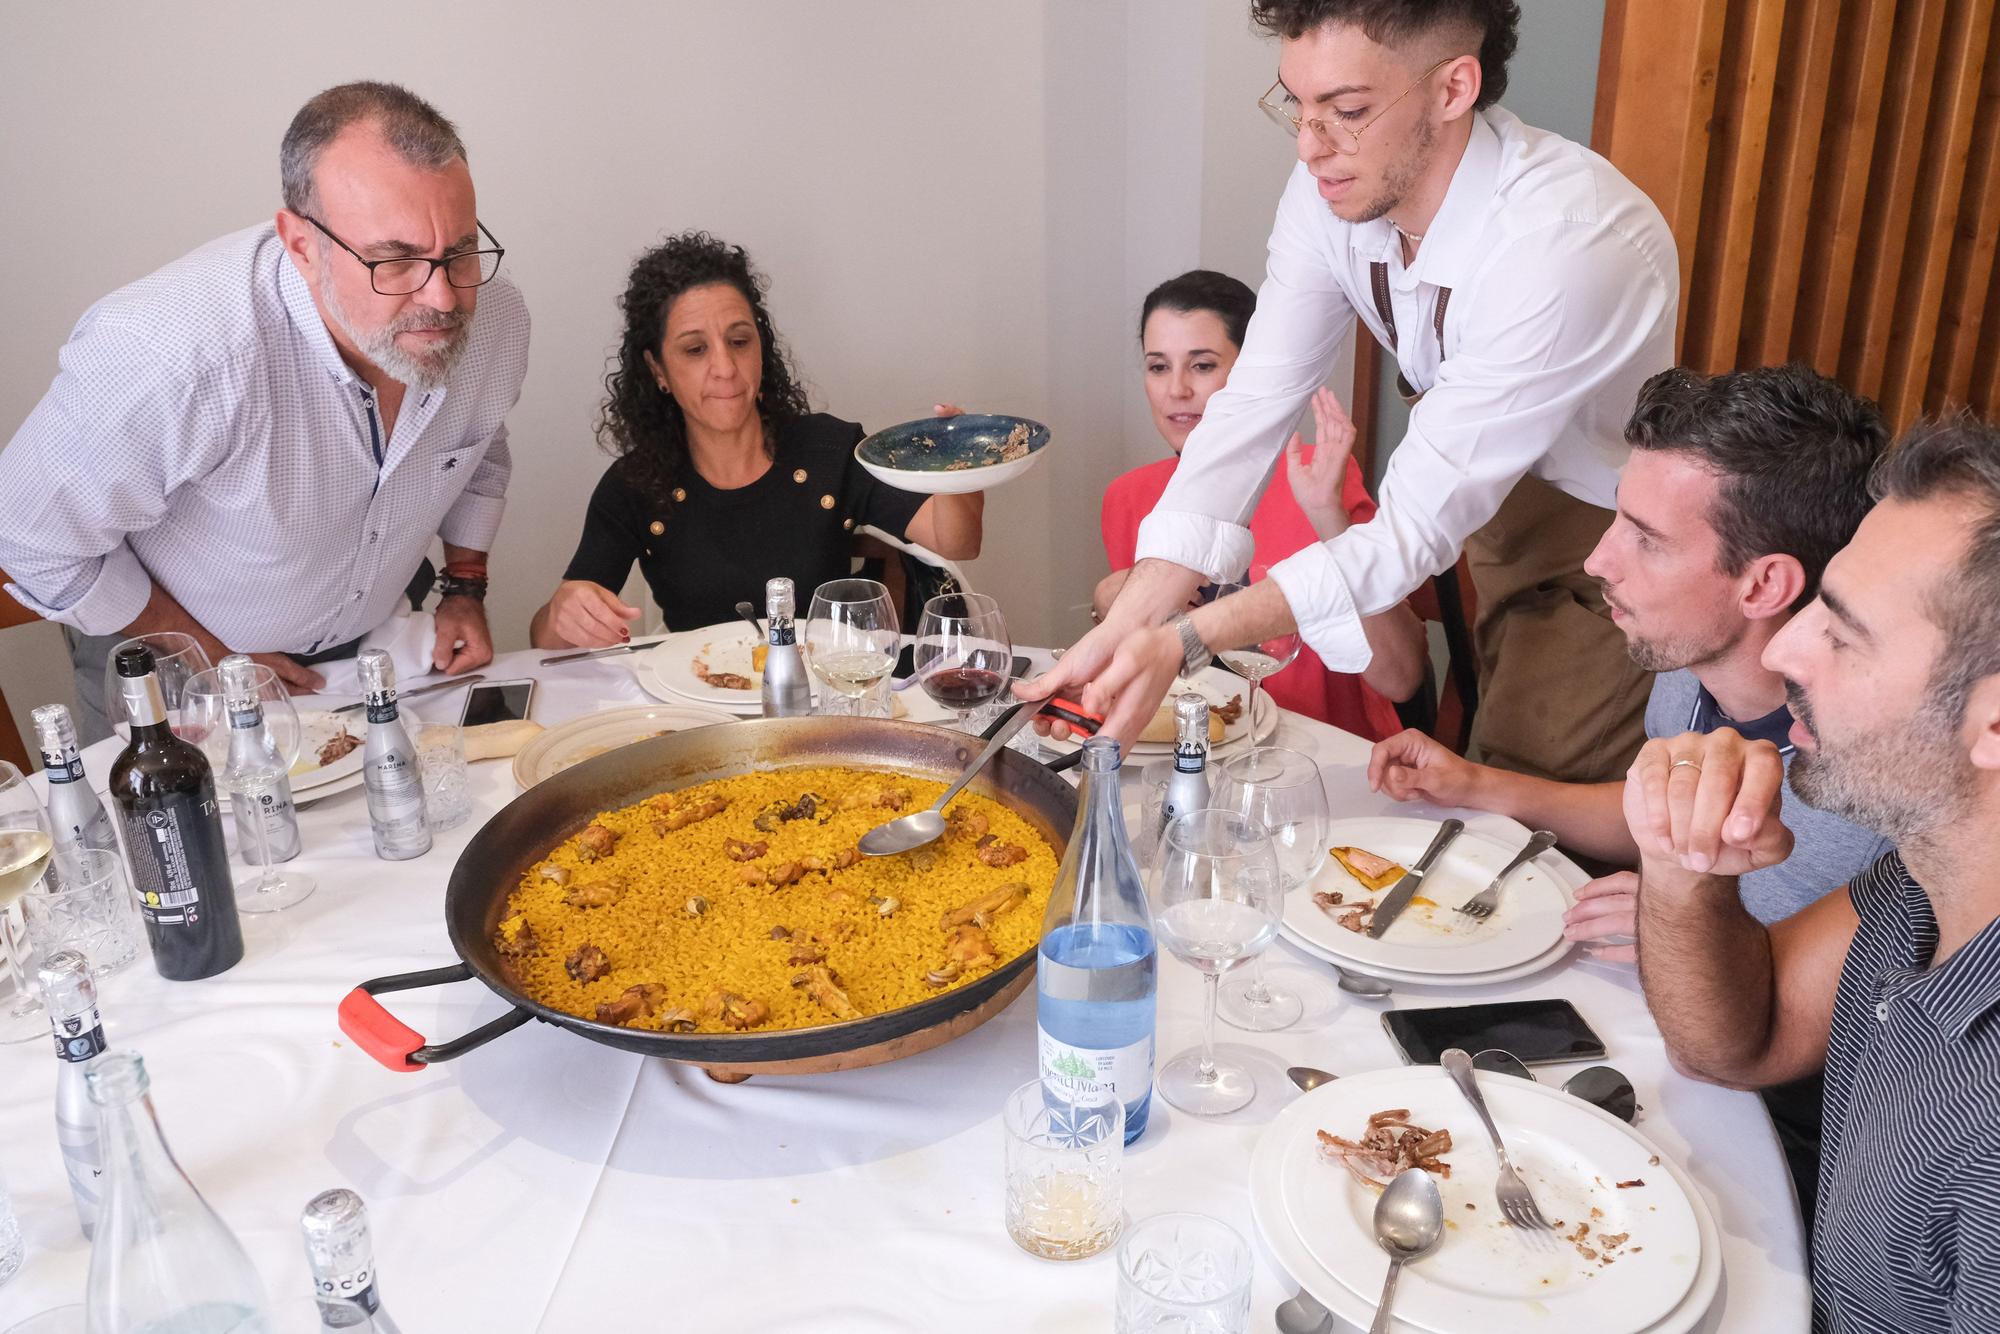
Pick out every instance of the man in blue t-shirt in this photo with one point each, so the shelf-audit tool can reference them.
(1739, 490)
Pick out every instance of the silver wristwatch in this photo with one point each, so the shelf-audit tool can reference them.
(1195, 655)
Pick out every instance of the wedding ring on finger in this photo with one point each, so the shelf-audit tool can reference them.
(1691, 764)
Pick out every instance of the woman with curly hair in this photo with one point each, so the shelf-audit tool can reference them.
(724, 477)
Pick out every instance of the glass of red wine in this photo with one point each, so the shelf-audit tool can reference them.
(962, 655)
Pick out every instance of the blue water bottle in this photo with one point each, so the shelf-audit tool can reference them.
(1095, 977)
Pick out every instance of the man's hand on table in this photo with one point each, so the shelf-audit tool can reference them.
(1411, 766)
(463, 641)
(1605, 917)
(1706, 805)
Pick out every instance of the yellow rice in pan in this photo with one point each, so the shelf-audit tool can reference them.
(673, 908)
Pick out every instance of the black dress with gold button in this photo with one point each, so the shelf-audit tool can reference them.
(704, 549)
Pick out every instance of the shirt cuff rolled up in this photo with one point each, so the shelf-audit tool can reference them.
(1218, 550)
(473, 521)
(113, 600)
(1323, 606)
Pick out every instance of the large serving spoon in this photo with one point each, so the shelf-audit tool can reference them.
(1409, 1220)
(926, 826)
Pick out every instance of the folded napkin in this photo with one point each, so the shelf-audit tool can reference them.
(408, 637)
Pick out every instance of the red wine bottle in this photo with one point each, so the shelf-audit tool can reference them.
(173, 834)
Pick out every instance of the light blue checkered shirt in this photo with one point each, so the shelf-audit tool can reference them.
(203, 434)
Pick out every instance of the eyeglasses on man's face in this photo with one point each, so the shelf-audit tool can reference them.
(1283, 108)
(403, 276)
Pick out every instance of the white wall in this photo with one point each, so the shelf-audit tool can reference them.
(954, 200)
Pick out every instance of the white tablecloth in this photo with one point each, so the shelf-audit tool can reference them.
(546, 1182)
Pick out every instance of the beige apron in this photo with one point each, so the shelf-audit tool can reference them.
(1559, 697)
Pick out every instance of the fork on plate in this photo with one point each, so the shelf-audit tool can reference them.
(1516, 1204)
(1482, 904)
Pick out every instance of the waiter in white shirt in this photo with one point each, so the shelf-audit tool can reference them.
(1526, 290)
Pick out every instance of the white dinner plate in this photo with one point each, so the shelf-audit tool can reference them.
(317, 727)
(723, 648)
(592, 735)
(1484, 1276)
(1430, 937)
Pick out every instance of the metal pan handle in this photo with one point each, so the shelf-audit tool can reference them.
(394, 1043)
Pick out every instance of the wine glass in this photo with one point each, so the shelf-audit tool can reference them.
(1217, 899)
(850, 640)
(177, 658)
(25, 846)
(1264, 658)
(252, 774)
(1281, 790)
(204, 718)
(962, 656)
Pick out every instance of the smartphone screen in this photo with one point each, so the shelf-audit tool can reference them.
(497, 702)
(1538, 1032)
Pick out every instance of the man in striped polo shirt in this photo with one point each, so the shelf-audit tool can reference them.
(1891, 984)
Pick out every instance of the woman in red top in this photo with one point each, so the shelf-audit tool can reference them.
(1191, 329)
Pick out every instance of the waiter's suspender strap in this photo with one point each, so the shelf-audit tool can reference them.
(1378, 281)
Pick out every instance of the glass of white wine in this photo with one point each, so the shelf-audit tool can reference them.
(1257, 662)
(25, 846)
(850, 639)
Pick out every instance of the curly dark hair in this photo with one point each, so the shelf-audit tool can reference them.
(1397, 22)
(1793, 449)
(641, 425)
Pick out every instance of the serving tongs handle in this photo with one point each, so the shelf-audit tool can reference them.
(1073, 714)
(397, 1046)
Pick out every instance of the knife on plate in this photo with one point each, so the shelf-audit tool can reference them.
(402, 695)
(1399, 895)
(590, 653)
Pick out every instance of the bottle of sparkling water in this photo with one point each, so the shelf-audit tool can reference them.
(1095, 977)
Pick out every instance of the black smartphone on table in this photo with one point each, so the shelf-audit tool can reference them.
(497, 702)
(1537, 1032)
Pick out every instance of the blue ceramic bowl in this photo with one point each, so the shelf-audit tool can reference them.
(952, 455)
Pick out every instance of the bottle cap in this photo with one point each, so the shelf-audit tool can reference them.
(376, 670)
(779, 599)
(335, 1223)
(68, 990)
(55, 731)
(1191, 721)
(135, 660)
(239, 675)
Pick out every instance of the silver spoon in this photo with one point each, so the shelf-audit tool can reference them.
(1604, 1087)
(1409, 1219)
(925, 826)
(1309, 1077)
(749, 613)
(1361, 984)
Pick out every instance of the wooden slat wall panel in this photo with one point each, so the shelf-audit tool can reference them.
(1878, 269)
(1831, 170)
(1940, 182)
(1660, 61)
(1751, 41)
(1799, 95)
(1966, 300)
